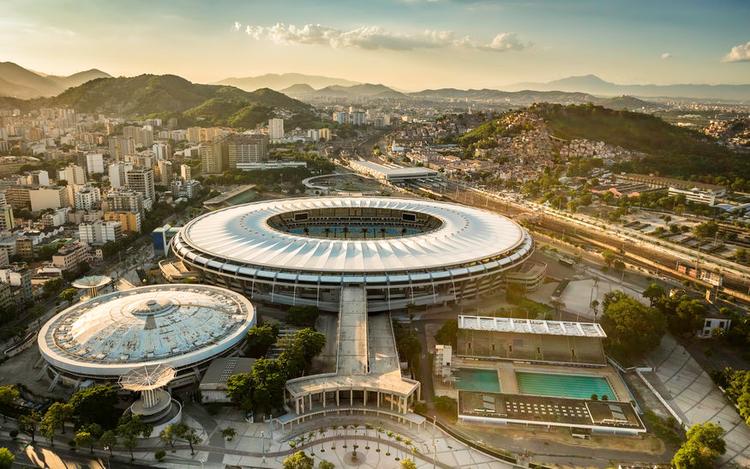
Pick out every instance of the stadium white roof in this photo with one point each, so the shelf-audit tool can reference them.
(173, 325)
(393, 172)
(531, 326)
(242, 235)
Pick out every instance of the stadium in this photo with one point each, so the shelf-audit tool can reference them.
(402, 251)
(179, 326)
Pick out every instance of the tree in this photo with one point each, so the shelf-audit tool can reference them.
(6, 458)
(83, 438)
(298, 460)
(96, 404)
(326, 465)
(167, 436)
(632, 329)
(706, 230)
(689, 316)
(108, 440)
(704, 445)
(68, 294)
(228, 433)
(188, 434)
(130, 428)
(448, 333)
(8, 395)
(408, 464)
(654, 292)
(303, 316)
(29, 424)
(55, 417)
(260, 339)
(240, 391)
(268, 379)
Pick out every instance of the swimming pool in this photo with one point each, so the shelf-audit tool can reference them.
(468, 379)
(570, 386)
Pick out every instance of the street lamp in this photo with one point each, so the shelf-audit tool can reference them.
(263, 446)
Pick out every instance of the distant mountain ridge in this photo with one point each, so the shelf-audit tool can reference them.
(173, 96)
(280, 81)
(305, 92)
(19, 82)
(592, 84)
(360, 91)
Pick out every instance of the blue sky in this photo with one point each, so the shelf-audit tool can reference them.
(409, 44)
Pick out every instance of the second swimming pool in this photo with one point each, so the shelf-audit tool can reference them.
(570, 386)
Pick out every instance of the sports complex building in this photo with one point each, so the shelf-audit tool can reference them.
(401, 251)
(537, 373)
(179, 326)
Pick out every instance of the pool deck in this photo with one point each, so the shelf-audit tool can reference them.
(506, 373)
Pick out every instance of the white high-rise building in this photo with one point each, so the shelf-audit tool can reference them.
(186, 172)
(87, 197)
(165, 172)
(275, 129)
(73, 173)
(99, 232)
(162, 151)
(117, 172)
(95, 163)
(141, 180)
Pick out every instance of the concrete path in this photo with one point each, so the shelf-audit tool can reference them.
(695, 397)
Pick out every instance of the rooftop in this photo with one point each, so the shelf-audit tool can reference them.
(531, 326)
(176, 325)
(242, 234)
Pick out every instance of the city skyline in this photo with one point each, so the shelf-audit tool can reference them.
(409, 44)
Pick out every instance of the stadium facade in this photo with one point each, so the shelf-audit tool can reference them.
(402, 251)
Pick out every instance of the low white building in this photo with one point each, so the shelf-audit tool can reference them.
(98, 233)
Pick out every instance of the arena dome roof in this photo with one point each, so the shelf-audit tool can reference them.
(174, 325)
(248, 235)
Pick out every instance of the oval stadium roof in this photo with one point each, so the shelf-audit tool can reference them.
(242, 235)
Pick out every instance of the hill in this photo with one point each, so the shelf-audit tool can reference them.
(671, 150)
(528, 97)
(592, 84)
(281, 81)
(170, 95)
(18, 82)
(354, 92)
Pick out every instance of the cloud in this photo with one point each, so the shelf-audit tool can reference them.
(504, 42)
(739, 53)
(374, 37)
(665, 56)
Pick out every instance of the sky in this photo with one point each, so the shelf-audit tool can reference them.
(408, 44)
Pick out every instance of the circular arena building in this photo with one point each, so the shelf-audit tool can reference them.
(180, 326)
(403, 251)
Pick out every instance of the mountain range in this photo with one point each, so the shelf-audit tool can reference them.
(279, 81)
(172, 96)
(592, 84)
(18, 82)
(368, 91)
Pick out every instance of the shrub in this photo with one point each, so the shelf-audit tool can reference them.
(160, 454)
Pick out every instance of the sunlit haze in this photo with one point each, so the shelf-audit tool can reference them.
(410, 44)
